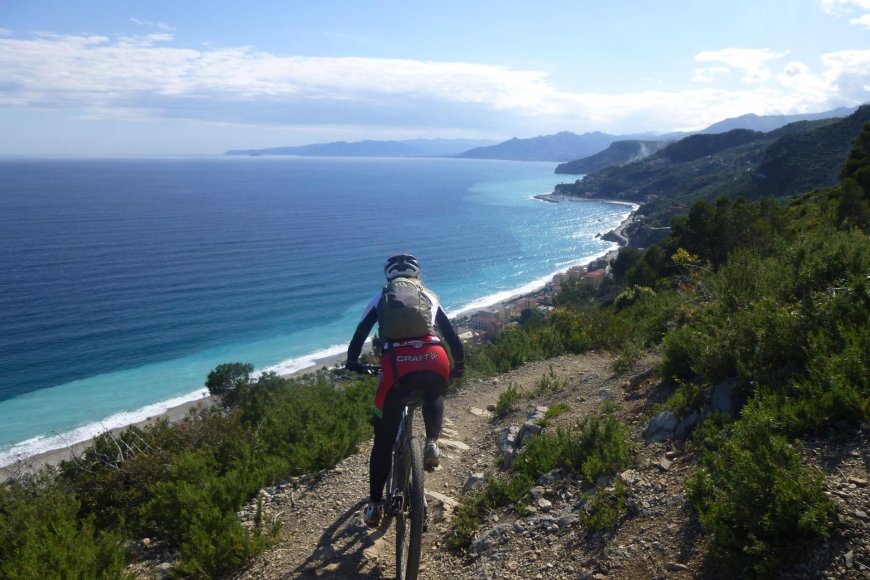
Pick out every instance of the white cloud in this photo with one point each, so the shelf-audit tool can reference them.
(848, 73)
(709, 74)
(76, 70)
(145, 78)
(844, 6)
(145, 23)
(847, 8)
(750, 62)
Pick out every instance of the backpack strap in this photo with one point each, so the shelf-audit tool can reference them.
(395, 367)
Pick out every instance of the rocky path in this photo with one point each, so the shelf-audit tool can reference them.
(323, 535)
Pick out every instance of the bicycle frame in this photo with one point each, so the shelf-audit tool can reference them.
(400, 463)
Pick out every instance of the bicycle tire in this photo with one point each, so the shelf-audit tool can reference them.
(409, 522)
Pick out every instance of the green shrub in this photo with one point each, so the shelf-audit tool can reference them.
(227, 381)
(681, 347)
(507, 401)
(184, 483)
(549, 383)
(760, 504)
(650, 315)
(627, 356)
(688, 395)
(604, 508)
(42, 536)
(554, 411)
(475, 506)
(575, 327)
(748, 277)
(589, 449)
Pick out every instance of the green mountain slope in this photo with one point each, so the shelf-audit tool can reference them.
(798, 157)
(619, 153)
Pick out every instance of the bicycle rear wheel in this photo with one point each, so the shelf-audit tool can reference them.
(409, 522)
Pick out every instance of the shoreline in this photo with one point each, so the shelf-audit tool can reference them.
(54, 457)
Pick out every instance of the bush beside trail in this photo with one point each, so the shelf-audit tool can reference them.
(181, 484)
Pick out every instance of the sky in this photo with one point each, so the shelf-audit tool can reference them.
(191, 77)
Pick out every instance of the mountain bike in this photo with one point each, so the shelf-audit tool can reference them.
(405, 500)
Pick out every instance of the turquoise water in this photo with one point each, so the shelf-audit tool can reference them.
(124, 281)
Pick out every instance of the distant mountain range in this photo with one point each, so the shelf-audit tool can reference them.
(567, 146)
(563, 147)
(410, 148)
(772, 122)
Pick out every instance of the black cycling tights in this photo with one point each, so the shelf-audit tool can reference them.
(433, 387)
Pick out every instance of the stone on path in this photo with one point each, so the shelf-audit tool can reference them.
(449, 432)
(441, 499)
(376, 550)
(475, 481)
(453, 444)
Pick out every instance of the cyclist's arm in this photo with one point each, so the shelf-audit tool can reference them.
(362, 332)
(449, 334)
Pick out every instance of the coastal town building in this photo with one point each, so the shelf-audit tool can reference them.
(486, 323)
(595, 277)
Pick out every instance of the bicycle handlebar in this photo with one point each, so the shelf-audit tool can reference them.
(374, 370)
(369, 370)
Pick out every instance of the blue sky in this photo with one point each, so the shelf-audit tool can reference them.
(194, 77)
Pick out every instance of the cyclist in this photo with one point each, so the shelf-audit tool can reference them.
(408, 364)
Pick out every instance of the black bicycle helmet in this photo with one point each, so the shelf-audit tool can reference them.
(404, 265)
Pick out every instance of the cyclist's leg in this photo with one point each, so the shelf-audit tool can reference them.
(381, 457)
(433, 408)
(433, 385)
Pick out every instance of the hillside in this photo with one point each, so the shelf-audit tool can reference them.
(798, 157)
(658, 534)
(618, 153)
(623, 152)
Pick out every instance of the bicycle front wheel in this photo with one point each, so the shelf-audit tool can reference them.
(409, 522)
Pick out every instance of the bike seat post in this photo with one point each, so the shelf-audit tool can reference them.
(413, 400)
(410, 402)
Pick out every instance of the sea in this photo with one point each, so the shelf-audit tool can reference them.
(124, 281)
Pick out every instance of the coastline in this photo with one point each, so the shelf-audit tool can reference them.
(33, 463)
(174, 414)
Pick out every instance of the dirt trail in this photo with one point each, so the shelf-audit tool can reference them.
(658, 536)
(323, 533)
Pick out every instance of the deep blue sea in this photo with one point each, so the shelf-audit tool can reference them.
(124, 281)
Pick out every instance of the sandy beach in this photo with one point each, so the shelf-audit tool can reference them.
(174, 414)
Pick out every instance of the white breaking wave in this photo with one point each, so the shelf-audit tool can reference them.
(44, 443)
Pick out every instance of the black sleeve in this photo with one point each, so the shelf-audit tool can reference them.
(362, 332)
(449, 334)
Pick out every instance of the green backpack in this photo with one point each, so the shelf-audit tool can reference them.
(405, 311)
